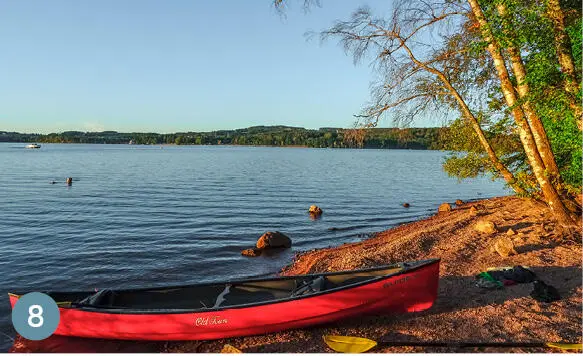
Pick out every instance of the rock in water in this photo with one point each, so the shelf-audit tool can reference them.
(273, 239)
(485, 226)
(406, 205)
(459, 202)
(505, 247)
(444, 207)
(315, 210)
(251, 252)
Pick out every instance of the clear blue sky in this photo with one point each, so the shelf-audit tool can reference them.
(167, 66)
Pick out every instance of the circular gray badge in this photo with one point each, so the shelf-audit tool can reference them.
(35, 316)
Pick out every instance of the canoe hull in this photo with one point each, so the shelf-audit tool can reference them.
(412, 291)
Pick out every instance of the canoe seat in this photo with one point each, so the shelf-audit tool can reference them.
(238, 296)
(315, 285)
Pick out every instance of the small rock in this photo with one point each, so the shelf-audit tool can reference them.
(473, 211)
(229, 349)
(459, 202)
(485, 226)
(534, 239)
(315, 210)
(518, 240)
(505, 247)
(406, 205)
(273, 240)
(547, 227)
(444, 207)
(510, 232)
(251, 252)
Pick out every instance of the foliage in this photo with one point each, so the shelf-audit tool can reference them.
(533, 34)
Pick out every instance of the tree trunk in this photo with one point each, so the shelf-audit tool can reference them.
(538, 131)
(562, 45)
(550, 194)
(564, 55)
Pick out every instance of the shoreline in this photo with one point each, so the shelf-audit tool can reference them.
(227, 145)
(507, 314)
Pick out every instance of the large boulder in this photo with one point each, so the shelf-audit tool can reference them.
(273, 239)
(505, 247)
(485, 226)
(459, 202)
(444, 207)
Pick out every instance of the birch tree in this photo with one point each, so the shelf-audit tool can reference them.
(551, 196)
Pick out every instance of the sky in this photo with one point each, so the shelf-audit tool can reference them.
(180, 65)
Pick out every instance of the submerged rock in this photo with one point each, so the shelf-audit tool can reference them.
(273, 239)
(444, 207)
(251, 252)
(485, 226)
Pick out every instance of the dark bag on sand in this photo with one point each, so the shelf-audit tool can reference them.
(544, 293)
(517, 274)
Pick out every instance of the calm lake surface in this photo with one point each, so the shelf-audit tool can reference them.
(140, 216)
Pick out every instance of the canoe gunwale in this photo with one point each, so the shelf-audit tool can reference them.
(408, 267)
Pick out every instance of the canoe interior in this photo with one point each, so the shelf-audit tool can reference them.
(223, 295)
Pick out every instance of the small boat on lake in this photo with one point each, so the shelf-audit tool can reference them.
(245, 307)
(32, 145)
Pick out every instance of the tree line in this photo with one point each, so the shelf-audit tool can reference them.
(430, 138)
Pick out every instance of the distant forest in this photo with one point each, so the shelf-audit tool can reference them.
(432, 138)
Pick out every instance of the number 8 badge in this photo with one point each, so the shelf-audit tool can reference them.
(35, 316)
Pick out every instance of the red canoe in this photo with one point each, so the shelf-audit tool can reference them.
(245, 307)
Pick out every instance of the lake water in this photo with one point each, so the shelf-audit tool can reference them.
(139, 216)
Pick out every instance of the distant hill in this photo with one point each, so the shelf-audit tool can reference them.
(431, 138)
